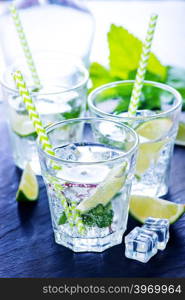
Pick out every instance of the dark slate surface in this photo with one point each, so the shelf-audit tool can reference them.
(27, 247)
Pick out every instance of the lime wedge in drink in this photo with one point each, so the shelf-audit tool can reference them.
(154, 129)
(22, 125)
(147, 153)
(150, 134)
(142, 207)
(180, 139)
(106, 190)
(28, 188)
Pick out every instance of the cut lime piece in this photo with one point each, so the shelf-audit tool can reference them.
(180, 139)
(28, 188)
(142, 207)
(151, 132)
(106, 190)
(147, 153)
(22, 125)
(154, 129)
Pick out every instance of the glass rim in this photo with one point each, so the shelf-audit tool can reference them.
(56, 159)
(95, 92)
(61, 57)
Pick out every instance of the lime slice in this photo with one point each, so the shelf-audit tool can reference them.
(154, 129)
(106, 190)
(28, 188)
(21, 124)
(180, 140)
(142, 207)
(150, 132)
(147, 153)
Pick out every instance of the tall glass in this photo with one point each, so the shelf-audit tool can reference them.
(62, 96)
(156, 123)
(95, 172)
(62, 25)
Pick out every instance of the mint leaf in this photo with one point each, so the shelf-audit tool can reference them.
(100, 216)
(63, 219)
(148, 76)
(150, 97)
(100, 75)
(74, 113)
(125, 50)
(176, 78)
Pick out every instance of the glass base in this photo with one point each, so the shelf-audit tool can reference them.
(89, 244)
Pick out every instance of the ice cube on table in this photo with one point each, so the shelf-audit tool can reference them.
(161, 228)
(141, 244)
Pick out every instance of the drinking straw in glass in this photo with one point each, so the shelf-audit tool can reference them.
(24, 44)
(71, 213)
(136, 93)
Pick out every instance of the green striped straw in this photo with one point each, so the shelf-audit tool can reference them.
(24, 44)
(72, 214)
(138, 84)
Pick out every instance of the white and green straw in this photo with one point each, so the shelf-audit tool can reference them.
(138, 84)
(72, 214)
(25, 46)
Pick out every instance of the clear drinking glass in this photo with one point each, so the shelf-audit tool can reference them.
(156, 123)
(95, 172)
(62, 25)
(62, 96)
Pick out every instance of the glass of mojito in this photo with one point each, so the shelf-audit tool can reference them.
(94, 174)
(62, 96)
(156, 123)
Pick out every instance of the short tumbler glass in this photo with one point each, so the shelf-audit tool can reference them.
(62, 96)
(95, 171)
(156, 123)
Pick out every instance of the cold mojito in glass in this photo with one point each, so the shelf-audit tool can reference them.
(62, 96)
(94, 173)
(156, 123)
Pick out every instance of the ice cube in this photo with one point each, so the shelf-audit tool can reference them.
(106, 155)
(139, 113)
(161, 228)
(69, 152)
(141, 244)
(145, 113)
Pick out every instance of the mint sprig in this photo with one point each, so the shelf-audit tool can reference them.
(100, 216)
(124, 55)
(125, 51)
